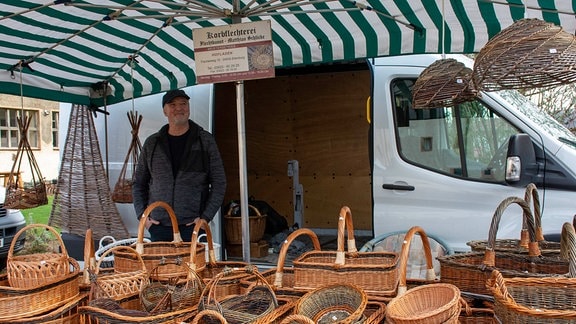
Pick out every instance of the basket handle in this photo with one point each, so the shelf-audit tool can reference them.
(116, 248)
(345, 223)
(300, 319)
(258, 214)
(568, 247)
(89, 256)
(533, 248)
(404, 254)
(30, 226)
(201, 224)
(531, 195)
(146, 214)
(210, 314)
(278, 278)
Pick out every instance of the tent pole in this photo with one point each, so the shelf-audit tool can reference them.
(242, 170)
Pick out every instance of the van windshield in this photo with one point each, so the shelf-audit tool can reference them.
(532, 111)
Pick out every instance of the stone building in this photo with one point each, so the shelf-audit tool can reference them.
(43, 136)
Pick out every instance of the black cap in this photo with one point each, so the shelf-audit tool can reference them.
(170, 95)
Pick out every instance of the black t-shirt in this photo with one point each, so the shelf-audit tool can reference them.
(177, 146)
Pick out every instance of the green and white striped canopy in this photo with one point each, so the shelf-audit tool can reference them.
(62, 50)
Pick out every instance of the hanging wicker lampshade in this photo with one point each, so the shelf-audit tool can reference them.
(444, 83)
(530, 53)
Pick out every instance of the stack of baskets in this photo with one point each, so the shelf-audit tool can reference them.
(469, 271)
(538, 300)
(39, 286)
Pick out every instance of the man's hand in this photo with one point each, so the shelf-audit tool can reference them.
(150, 222)
(194, 221)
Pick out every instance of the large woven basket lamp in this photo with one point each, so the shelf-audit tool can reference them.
(444, 83)
(530, 53)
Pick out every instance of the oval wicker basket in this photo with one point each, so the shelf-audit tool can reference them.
(342, 303)
(119, 285)
(34, 270)
(432, 303)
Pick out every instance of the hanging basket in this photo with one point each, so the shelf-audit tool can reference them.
(28, 196)
(530, 53)
(27, 271)
(123, 188)
(444, 83)
(375, 272)
(153, 253)
(470, 270)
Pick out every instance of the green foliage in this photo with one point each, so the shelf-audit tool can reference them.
(40, 214)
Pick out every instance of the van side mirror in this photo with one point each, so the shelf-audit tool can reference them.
(521, 166)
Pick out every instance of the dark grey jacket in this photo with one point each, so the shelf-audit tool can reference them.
(197, 190)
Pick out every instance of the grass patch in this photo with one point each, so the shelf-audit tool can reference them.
(40, 214)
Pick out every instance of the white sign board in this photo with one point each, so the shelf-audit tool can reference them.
(233, 52)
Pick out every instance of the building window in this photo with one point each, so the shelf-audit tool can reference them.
(9, 131)
(55, 121)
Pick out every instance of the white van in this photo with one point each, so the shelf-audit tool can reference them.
(442, 169)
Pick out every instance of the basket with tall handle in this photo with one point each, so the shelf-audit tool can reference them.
(470, 270)
(374, 272)
(153, 253)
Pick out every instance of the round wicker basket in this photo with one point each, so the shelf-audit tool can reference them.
(530, 53)
(444, 83)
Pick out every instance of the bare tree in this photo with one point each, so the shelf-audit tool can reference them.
(559, 102)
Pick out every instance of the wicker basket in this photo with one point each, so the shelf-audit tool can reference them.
(34, 270)
(530, 53)
(444, 83)
(18, 303)
(153, 253)
(233, 226)
(167, 296)
(521, 245)
(281, 278)
(342, 303)
(65, 314)
(433, 303)
(118, 285)
(96, 314)
(375, 272)
(229, 285)
(469, 271)
(251, 306)
(538, 300)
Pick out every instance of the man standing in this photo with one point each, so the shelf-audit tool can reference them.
(180, 165)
